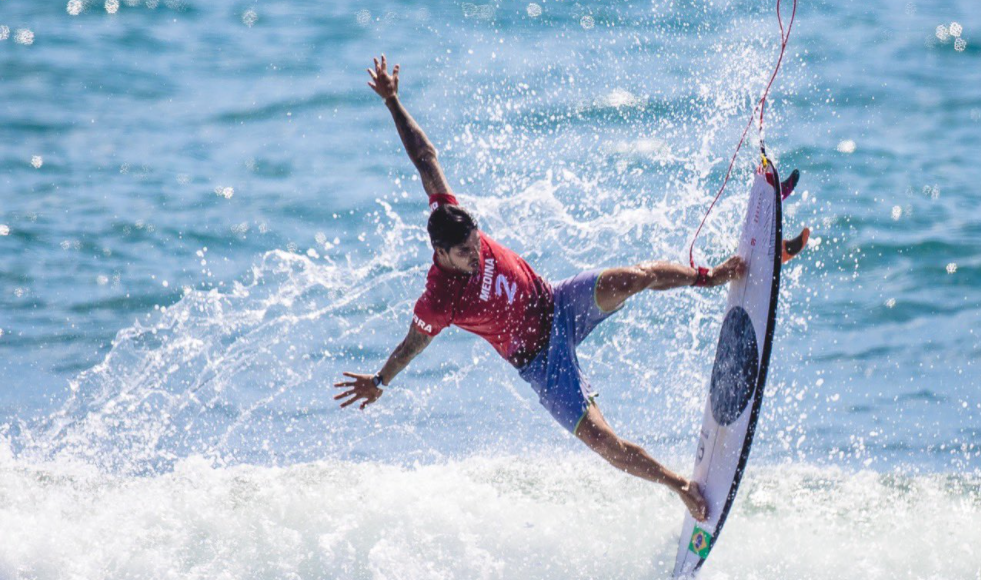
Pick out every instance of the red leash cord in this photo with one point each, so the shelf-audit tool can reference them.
(784, 38)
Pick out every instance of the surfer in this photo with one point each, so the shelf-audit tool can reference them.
(481, 286)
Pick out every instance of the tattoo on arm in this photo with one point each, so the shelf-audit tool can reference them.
(419, 148)
(413, 343)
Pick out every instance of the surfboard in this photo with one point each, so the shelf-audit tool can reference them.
(735, 391)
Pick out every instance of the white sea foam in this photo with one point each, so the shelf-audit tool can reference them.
(566, 516)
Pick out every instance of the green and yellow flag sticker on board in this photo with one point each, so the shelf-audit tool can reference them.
(701, 543)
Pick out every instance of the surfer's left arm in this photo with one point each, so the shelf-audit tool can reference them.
(368, 387)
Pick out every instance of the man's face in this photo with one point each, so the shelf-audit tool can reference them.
(463, 258)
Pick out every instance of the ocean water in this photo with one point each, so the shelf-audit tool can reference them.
(206, 216)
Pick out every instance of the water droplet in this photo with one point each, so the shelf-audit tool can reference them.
(960, 44)
(942, 33)
(152, 4)
(951, 267)
(363, 17)
(619, 98)
(891, 303)
(74, 7)
(587, 22)
(478, 11)
(534, 10)
(226, 192)
(4, 230)
(37, 161)
(955, 29)
(897, 212)
(846, 146)
(102, 279)
(249, 17)
(112, 6)
(24, 36)
(4, 32)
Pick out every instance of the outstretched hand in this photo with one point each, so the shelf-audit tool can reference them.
(731, 269)
(362, 387)
(386, 85)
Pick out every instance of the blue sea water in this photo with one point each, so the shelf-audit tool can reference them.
(206, 216)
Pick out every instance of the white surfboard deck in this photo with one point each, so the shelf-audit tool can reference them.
(739, 374)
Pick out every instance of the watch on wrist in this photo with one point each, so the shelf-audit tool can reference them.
(377, 379)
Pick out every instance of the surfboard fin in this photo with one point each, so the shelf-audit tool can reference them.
(787, 187)
(793, 247)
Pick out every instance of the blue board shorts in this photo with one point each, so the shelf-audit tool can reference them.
(554, 373)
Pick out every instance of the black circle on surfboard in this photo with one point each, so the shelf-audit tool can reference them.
(736, 367)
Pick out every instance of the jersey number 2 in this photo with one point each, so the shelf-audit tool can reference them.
(502, 285)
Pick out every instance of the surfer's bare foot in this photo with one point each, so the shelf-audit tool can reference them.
(691, 494)
(734, 267)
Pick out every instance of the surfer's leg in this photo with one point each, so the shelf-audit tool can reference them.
(597, 434)
(615, 285)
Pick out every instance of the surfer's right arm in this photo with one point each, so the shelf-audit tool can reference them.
(419, 148)
(365, 387)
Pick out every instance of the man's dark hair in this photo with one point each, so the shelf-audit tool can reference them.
(450, 225)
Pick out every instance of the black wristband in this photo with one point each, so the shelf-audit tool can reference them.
(377, 379)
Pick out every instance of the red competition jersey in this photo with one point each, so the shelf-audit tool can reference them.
(505, 302)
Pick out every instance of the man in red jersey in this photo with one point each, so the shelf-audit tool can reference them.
(485, 288)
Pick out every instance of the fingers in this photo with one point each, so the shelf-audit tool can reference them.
(374, 76)
(368, 401)
(354, 392)
(395, 77)
(377, 66)
(351, 401)
(383, 63)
